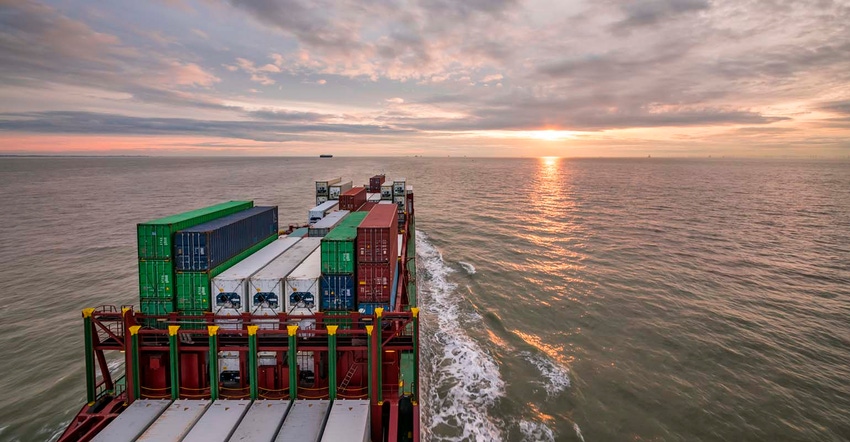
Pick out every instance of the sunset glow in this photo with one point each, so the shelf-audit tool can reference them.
(502, 78)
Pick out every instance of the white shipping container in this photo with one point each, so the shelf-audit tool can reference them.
(323, 186)
(230, 288)
(229, 371)
(386, 191)
(373, 197)
(399, 185)
(267, 285)
(323, 226)
(302, 286)
(337, 189)
(348, 420)
(401, 202)
(321, 199)
(322, 210)
(400, 243)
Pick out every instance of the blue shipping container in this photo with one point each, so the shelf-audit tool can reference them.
(368, 308)
(337, 292)
(205, 246)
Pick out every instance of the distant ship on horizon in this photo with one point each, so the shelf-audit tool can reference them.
(325, 155)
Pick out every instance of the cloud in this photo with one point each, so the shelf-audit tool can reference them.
(651, 12)
(257, 74)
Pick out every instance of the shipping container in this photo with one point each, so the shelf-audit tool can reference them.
(299, 232)
(156, 279)
(374, 197)
(368, 308)
(348, 420)
(410, 202)
(337, 189)
(337, 292)
(230, 287)
(176, 421)
(400, 201)
(156, 306)
(301, 291)
(267, 285)
(338, 253)
(321, 227)
(219, 422)
(367, 206)
(338, 318)
(193, 288)
(133, 421)
(322, 210)
(352, 199)
(155, 237)
(321, 200)
(304, 421)
(262, 421)
(375, 281)
(207, 246)
(377, 235)
(387, 192)
(375, 183)
(399, 186)
(323, 186)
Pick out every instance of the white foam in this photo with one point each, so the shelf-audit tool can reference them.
(536, 431)
(578, 431)
(557, 377)
(467, 376)
(470, 269)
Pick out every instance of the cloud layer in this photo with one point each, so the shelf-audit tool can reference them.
(693, 72)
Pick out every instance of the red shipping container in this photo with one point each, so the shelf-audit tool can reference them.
(352, 199)
(375, 183)
(375, 281)
(367, 206)
(377, 235)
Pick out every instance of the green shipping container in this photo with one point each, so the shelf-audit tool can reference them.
(156, 280)
(338, 246)
(155, 236)
(193, 288)
(156, 306)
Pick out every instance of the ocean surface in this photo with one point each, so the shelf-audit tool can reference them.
(570, 300)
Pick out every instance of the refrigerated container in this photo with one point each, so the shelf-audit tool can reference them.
(352, 199)
(326, 224)
(301, 286)
(374, 197)
(155, 237)
(348, 420)
(267, 285)
(230, 287)
(337, 189)
(387, 192)
(338, 246)
(322, 210)
(401, 202)
(338, 292)
(323, 186)
(377, 235)
(192, 289)
(375, 183)
(206, 246)
(399, 186)
(321, 200)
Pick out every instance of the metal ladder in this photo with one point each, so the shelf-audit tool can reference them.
(344, 384)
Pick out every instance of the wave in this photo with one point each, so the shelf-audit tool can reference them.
(463, 381)
(557, 377)
(536, 431)
(470, 269)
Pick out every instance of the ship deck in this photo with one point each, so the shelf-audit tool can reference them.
(239, 420)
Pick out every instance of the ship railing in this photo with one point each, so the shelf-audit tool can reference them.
(119, 386)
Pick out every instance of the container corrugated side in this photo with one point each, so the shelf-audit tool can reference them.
(375, 281)
(154, 238)
(321, 210)
(352, 199)
(376, 235)
(338, 253)
(208, 245)
(193, 288)
(337, 189)
(338, 318)
(301, 291)
(375, 183)
(367, 206)
(156, 279)
(229, 288)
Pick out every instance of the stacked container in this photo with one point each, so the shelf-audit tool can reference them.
(338, 263)
(204, 251)
(322, 210)
(301, 287)
(335, 190)
(323, 188)
(155, 242)
(386, 192)
(375, 183)
(352, 199)
(268, 286)
(377, 255)
(323, 226)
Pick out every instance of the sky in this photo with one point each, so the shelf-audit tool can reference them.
(509, 78)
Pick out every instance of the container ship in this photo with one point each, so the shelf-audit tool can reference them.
(246, 332)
